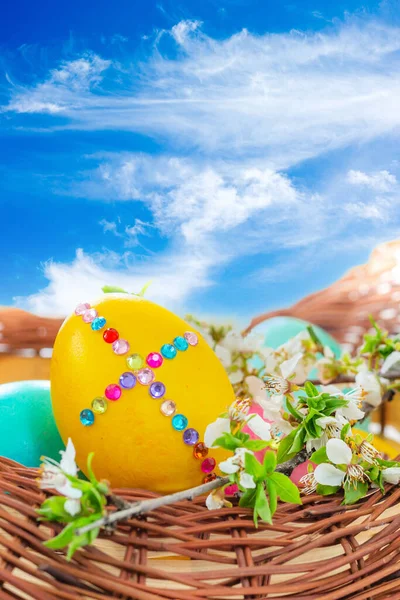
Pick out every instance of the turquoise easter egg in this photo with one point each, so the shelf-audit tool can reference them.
(279, 330)
(27, 426)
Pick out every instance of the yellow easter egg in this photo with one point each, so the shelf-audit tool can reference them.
(136, 440)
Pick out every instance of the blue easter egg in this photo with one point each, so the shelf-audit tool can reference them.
(27, 427)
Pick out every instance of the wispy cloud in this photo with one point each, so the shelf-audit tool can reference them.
(233, 116)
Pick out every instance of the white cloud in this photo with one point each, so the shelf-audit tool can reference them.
(382, 181)
(231, 115)
(82, 279)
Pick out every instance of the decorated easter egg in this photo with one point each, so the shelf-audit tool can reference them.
(27, 426)
(136, 385)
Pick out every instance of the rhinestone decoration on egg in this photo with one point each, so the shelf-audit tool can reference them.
(89, 315)
(168, 351)
(157, 389)
(209, 477)
(180, 343)
(98, 323)
(168, 408)
(191, 338)
(208, 464)
(127, 380)
(190, 436)
(86, 417)
(179, 422)
(82, 308)
(154, 360)
(135, 362)
(113, 392)
(120, 347)
(110, 335)
(200, 450)
(145, 376)
(99, 405)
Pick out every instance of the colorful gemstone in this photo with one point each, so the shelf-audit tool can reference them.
(180, 343)
(127, 380)
(179, 422)
(120, 347)
(110, 335)
(190, 436)
(168, 408)
(154, 360)
(89, 315)
(99, 405)
(191, 338)
(157, 389)
(82, 308)
(135, 362)
(168, 351)
(200, 450)
(87, 417)
(145, 376)
(113, 392)
(98, 323)
(208, 464)
(209, 477)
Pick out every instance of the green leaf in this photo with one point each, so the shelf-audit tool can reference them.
(52, 509)
(62, 539)
(327, 490)
(298, 442)
(253, 467)
(262, 508)
(256, 445)
(228, 441)
(320, 456)
(272, 495)
(313, 336)
(144, 289)
(345, 431)
(295, 413)
(79, 541)
(269, 461)
(89, 468)
(284, 447)
(111, 289)
(286, 489)
(310, 389)
(353, 493)
(248, 498)
(373, 473)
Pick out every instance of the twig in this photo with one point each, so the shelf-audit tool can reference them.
(145, 506)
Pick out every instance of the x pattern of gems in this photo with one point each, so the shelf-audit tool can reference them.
(145, 376)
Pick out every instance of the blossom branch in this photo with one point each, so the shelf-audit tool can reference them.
(145, 506)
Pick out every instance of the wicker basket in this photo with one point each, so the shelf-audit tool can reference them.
(319, 551)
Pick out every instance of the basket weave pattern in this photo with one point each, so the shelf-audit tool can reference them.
(318, 551)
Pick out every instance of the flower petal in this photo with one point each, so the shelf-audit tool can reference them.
(288, 367)
(215, 430)
(246, 480)
(391, 475)
(393, 360)
(256, 386)
(324, 421)
(338, 452)
(214, 501)
(259, 427)
(72, 506)
(352, 412)
(236, 377)
(327, 474)
(228, 466)
(224, 355)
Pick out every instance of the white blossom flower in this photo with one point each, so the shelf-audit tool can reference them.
(237, 463)
(391, 363)
(309, 483)
(224, 355)
(216, 499)
(368, 452)
(339, 453)
(280, 384)
(236, 376)
(332, 427)
(239, 409)
(351, 412)
(370, 385)
(222, 425)
(53, 476)
(391, 475)
(271, 405)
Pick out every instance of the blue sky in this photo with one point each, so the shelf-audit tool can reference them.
(238, 153)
